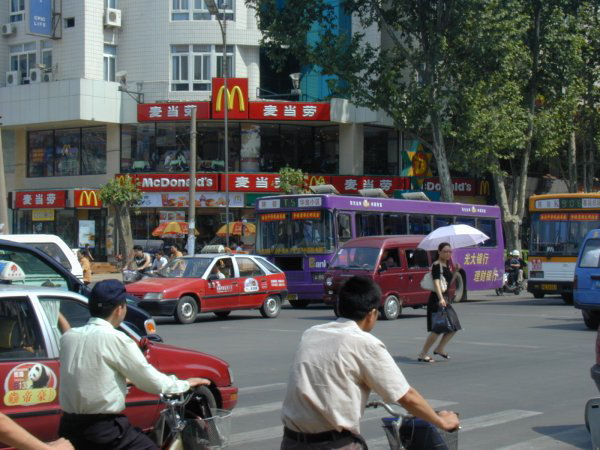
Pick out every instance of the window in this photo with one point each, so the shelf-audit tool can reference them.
(381, 149)
(17, 9)
(53, 251)
(110, 62)
(64, 313)
(441, 221)
(390, 258)
(66, 159)
(70, 22)
(194, 66)
(180, 10)
(110, 4)
(466, 221)
(20, 335)
(343, 227)
(394, 223)
(249, 268)
(47, 54)
(23, 59)
(37, 272)
(368, 225)
(93, 151)
(419, 224)
(488, 226)
(197, 10)
(590, 256)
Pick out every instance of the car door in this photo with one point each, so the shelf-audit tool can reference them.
(29, 372)
(417, 267)
(253, 283)
(587, 272)
(222, 294)
(389, 272)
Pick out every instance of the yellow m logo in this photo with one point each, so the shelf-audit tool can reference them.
(85, 198)
(230, 98)
(484, 187)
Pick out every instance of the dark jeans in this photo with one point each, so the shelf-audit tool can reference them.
(418, 434)
(103, 432)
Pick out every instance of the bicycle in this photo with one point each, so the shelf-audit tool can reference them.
(181, 426)
(406, 432)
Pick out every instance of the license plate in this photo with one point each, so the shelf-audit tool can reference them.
(549, 287)
(292, 297)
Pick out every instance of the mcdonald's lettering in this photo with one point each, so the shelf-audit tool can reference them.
(87, 199)
(230, 99)
(224, 98)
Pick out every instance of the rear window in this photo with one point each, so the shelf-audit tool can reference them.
(272, 268)
(53, 251)
(590, 256)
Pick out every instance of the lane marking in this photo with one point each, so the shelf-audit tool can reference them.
(261, 330)
(256, 435)
(577, 438)
(257, 409)
(261, 388)
(489, 344)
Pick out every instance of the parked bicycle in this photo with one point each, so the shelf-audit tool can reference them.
(406, 432)
(188, 422)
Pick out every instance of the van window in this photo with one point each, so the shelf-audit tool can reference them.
(417, 258)
(590, 256)
(391, 258)
(53, 251)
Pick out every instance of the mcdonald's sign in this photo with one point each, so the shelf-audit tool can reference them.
(236, 98)
(88, 198)
(484, 188)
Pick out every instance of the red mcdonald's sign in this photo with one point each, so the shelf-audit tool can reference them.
(88, 198)
(236, 98)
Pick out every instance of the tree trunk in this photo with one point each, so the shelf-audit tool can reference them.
(584, 170)
(439, 151)
(512, 222)
(124, 223)
(572, 163)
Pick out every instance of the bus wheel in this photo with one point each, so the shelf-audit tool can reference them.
(538, 294)
(567, 298)
(391, 308)
(298, 304)
(460, 294)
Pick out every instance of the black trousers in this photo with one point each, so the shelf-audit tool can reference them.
(103, 432)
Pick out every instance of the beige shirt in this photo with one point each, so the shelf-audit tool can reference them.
(95, 360)
(335, 369)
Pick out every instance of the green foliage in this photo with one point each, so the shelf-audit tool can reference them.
(291, 181)
(120, 192)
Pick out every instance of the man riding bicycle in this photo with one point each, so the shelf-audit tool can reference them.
(336, 367)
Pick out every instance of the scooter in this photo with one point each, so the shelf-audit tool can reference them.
(510, 283)
(131, 276)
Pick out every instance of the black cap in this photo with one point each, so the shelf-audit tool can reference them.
(107, 292)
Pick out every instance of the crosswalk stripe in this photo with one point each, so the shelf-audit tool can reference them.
(262, 388)
(577, 437)
(256, 435)
(257, 409)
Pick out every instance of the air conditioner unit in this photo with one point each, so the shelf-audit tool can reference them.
(13, 78)
(47, 77)
(8, 29)
(112, 18)
(35, 75)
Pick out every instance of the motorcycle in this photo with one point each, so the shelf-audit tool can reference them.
(131, 276)
(510, 283)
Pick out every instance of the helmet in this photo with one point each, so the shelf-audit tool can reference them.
(515, 253)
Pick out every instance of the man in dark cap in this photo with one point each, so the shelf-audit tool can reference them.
(96, 360)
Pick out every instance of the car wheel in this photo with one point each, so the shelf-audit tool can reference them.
(567, 298)
(591, 319)
(222, 314)
(299, 303)
(460, 294)
(538, 294)
(187, 309)
(391, 308)
(271, 307)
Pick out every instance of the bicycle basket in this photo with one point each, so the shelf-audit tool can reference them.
(416, 433)
(391, 426)
(210, 433)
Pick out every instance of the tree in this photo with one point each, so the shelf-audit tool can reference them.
(121, 195)
(291, 181)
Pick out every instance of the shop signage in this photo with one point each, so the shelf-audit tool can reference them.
(352, 184)
(554, 216)
(157, 112)
(272, 217)
(236, 100)
(174, 182)
(39, 16)
(181, 200)
(462, 186)
(89, 198)
(41, 199)
(306, 215)
(42, 215)
(252, 182)
(289, 111)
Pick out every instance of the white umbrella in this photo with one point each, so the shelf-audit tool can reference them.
(458, 236)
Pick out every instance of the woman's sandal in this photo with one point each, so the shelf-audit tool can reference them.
(443, 355)
(426, 358)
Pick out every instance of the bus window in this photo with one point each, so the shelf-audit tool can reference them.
(488, 226)
(344, 229)
(368, 225)
(419, 224)
(394, 223)
(441, 221)
(466, 221)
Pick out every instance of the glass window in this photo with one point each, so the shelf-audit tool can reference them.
(248, 268)
(394, 223)
(110, 62)
(17, 9)
(327, 150)
(41, 154)
(185, 268)
(368, 225)
(53, 251)
(180, 10)
(172, 147)
(441, 221)
(20, 334)
(228, 61)
(93, 152)
(344, 227)
(312, 235)
(37, 272)
(179, 68)
(23, 59)
(419, 224)
(488, 226)
(138, 148)
(202, 67)
(466, 221)
(47, 54)
(67, 144)
(111, 4)
(590, 256)
(363, 258)
(63, 314)
(381, 148)
(194, 66)
(390, 258)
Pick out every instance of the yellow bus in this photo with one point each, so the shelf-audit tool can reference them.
(559, 222)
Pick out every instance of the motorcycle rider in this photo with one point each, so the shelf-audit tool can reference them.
(514, 267)
(141, 260)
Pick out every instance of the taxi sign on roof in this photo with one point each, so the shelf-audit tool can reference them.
(10, 271)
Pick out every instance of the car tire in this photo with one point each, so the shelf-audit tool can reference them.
(537, 294)
(271, 307)
(391, 308)
(186, 310)
(222, 314)
(299, 304)
(567, 298)
(460, 294)
(591, 319)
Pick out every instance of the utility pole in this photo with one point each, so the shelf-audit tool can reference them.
(3, 195)
(191, 242)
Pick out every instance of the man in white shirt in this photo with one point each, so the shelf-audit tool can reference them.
(159, 260)
(96, 360)
(336, 367)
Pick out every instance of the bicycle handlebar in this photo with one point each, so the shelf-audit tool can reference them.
(180, 399)
(388, 408)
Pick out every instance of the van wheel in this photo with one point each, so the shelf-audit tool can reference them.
(187, 309)
(460, 294)
(537, 294)
(298, 304)
(391, 308)
(567, 298)
(591, 319)
(271, 307)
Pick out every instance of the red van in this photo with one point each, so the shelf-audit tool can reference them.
(393, 262)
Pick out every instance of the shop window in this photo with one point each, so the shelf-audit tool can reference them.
(211, 148)
(137, 148)
(380, 151)
(172, 147)
(41, 153)
(93, 156)
(68, 144)
(327, 150)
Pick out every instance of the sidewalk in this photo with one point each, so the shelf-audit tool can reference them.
(105, 276)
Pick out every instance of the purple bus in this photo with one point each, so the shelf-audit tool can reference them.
(301, 233)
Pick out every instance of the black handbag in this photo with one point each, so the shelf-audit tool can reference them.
(440, 322)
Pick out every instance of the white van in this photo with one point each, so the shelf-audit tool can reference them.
(53, 246)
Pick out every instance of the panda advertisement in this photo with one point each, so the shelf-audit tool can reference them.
(30, 384)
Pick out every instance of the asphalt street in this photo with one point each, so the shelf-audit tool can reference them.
(518, 373)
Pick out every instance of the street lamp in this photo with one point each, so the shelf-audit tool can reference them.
(214, 10)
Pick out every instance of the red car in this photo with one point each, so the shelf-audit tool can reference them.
(217, 283)
(30, 370)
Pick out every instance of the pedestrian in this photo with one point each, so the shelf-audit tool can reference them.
(18, 437)
(336, 367)
(441, 299)
(86, 267)
(175, 253)
(96, 362)
(159, 260)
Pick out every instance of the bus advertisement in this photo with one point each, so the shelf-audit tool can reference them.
(301, 233)
(559, 222)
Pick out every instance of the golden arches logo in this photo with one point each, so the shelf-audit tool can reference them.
(86, 197)
(484, 187)
(230, 98)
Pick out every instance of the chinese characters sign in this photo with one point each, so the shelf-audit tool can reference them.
(175, 182)
(272, 217)
(351, 184)
(236, 100)
(158, 112)
(289, 111)
(306, 215)
(554, 216)
(41, 199)
(252, 182)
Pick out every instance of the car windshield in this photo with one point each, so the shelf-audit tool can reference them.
(363, 258)
(185, 268)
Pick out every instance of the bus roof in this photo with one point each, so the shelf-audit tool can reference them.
(549, 202)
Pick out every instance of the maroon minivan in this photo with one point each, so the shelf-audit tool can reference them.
(393, 262)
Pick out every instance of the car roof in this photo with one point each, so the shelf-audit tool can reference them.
(380, 241)
(12, 289)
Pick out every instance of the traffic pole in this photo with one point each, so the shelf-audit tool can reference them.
(191, 242)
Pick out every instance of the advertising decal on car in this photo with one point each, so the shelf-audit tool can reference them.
(30, 384)
(250, 285)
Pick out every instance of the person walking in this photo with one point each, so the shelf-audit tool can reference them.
(440, 299)
(86, 266)
(96, 360)
(336, 367)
